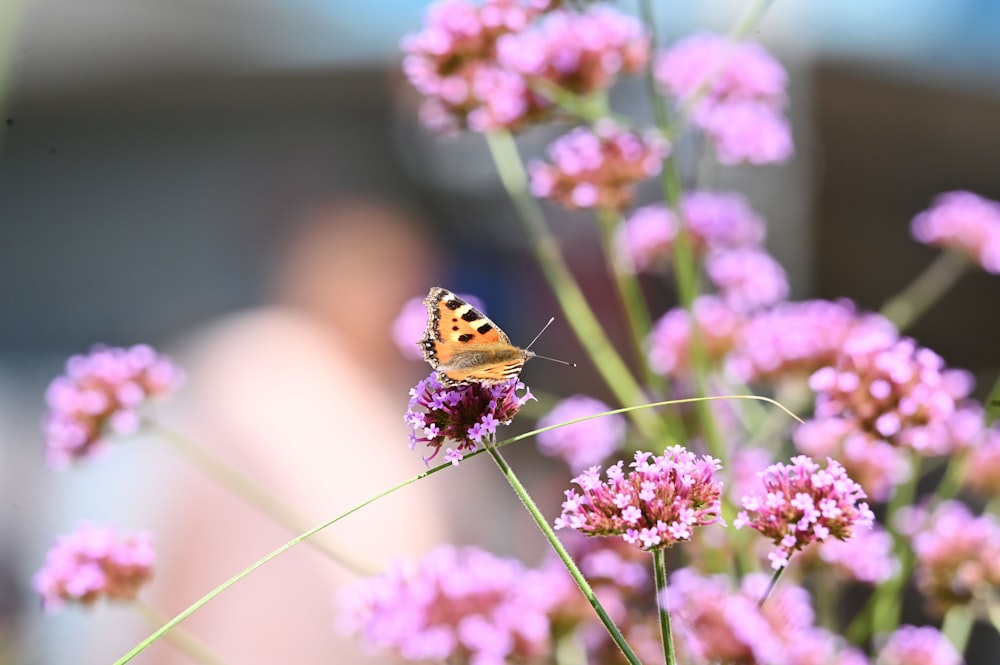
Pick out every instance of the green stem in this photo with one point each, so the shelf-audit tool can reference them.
(567, 560)
(579, 314)
(957, 626)
(770, 586)
(660, 575)
(926, 289)
(253, 493)
(179, 638)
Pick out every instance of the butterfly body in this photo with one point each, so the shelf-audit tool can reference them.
(464, 346)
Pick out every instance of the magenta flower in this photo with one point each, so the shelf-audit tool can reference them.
(582, 52)
(865, 558)
(802, 504)
(583, 444)
(464, 415)
(411, 322)
(958, 556)
(982, 469)
(910, 645)
(597, 168)
(714, 221)
(94, 562)
(747, 279)
(654, 506)
(963, 221)
(670, 339)
(102, 392)
(736, 95)
(458, 606)
(797, 338)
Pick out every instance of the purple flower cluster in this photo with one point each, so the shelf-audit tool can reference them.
(94, 562)
(910, 645)
(866, 558)
(802, 504)
(747, 279)
(652, 507)
(715, 221)
(963, 221)
(583, 444)
(457, 605)
(958, 556)
(100, 392)
(464, 415)
(597, 168)
(982, 469)
(715, 624)
(670, 340)
(798, 338)
(735, 93)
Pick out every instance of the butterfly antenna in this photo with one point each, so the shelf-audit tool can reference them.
(555, 360)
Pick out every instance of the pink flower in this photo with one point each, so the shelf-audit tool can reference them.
(910, 645)
(94, 562)
(866, 558)
(670, 339)
(582, 444)
(958, 556)
(654, 506)
(736, 92)
(747, 279)
(963, 221)
(456, 605)
(982, 470)
(102, 392)
(597, 168)
(802, 504)
(464, 415)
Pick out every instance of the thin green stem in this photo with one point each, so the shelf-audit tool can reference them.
(957, 626)
(567, 560)
(179, 638)
(926, 289)
(666, 634)
(770, 586)
(579, 314)
(253, 493)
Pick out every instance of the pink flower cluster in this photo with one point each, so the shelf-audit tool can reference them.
(654, 506)
(456, 605)
(798, 338)
(715, 624)
(958, 556)
(912, 645)
(464, 415)
(982, 469)
(94, 562)
(583, 444)
(963, 221)
(747, 279)
(802, 504)
(474, 64)
(597, 168)
(734, 92)
(670, 340)
(866, 558)
(102, 391)
(882, 400)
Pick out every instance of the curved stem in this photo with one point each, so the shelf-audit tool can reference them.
(567, 560)
(184, 641)
(926, 289)
(663, 606)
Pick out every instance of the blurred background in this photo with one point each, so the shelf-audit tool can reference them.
(243, 184)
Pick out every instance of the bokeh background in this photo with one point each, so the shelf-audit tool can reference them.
(189, 172)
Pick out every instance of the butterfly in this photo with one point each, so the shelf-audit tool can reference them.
(464, 346)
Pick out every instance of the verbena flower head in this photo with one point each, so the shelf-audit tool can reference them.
(735, 93)
(670, 340)
(456, 605)
(715, 221)
(94, 562)
(958, 556)
(463, 415)
(802, 504)
(583, 444)
(582, 52)
(597, 168)
(865, 558)
(747, 279)
(794, 339)
(102, 392)
(411, 322)
(653, 506)
(452, 62)
(963, 221)
(982, 469)
(910, 645)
